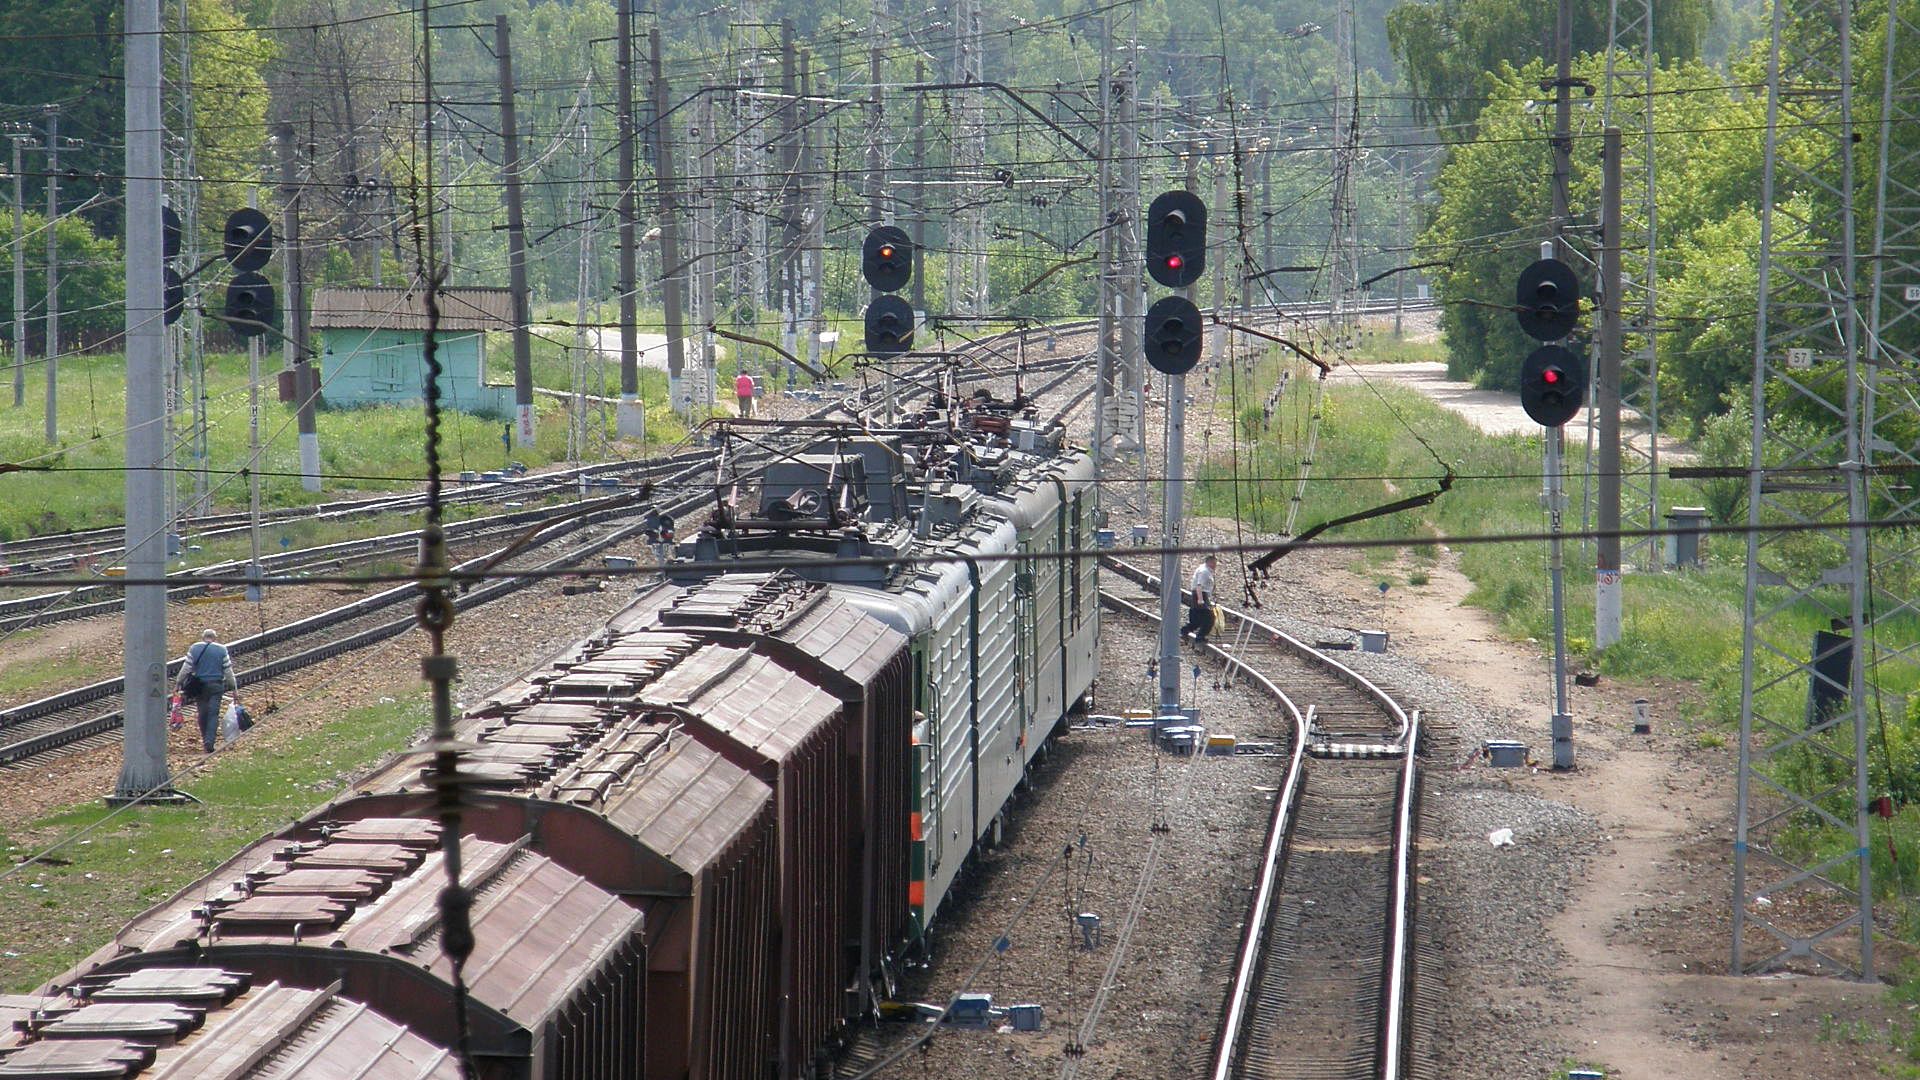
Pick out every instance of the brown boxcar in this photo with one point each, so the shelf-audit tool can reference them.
(556, 979)
(208, 1023)
(628, 797)
(868, 666)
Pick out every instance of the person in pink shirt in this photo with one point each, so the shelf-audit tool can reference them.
(743, 389)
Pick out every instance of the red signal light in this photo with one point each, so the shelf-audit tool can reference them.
(1550, 377)
(1175, 262)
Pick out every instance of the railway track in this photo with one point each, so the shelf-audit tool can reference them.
(85, 716)
(1323, 976)
(43, 609)
(54, 552)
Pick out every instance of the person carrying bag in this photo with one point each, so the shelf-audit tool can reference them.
(205, 677)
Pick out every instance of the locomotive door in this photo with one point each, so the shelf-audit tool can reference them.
(1026, 652)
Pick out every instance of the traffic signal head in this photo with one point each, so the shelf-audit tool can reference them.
(1547, 300)
(174, 298)
(886, 259)
(889, 326)
(250, 306)
(1553, 385)
(1173, 335)
(1177, 239)
(169, 233)
(249, 239)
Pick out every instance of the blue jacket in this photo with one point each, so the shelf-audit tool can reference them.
(209, 660)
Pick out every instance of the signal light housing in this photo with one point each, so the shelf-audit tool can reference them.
(248, 239)
(1176, 239)
(1547, 300)
(1173, 335)
(886, 259)
(250, 307)
(889, 326)
(1553, 385)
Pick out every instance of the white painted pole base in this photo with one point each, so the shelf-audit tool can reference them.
(523, 425)
(310, 461)
(1606, 607)
(630, 418)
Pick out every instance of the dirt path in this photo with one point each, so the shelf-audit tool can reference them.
(1644, 930)
(1495, 412)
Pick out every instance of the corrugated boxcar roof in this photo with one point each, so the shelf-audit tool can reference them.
(466, 308)
(519, 968)
(750, 698)
(846, 639)
(228, 1032)
(688, 804)
(809, 616)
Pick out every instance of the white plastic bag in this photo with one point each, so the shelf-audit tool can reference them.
(230, 724)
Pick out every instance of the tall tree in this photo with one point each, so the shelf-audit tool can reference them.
(1449, 50)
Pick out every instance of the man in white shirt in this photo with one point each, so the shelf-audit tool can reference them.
(1200, 616)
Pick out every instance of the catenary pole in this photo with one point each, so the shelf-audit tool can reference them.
(143, 765)
(306, 388)
(673, 274)
(1607, 595)
(53, 274)
(19, 277)
(630, 420)
(523, 433)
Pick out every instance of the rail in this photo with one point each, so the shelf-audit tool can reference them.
(1398, 973)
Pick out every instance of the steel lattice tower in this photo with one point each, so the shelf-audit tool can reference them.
(1805, 705)
(1343, 243)
(1631, 67)
(967, 235)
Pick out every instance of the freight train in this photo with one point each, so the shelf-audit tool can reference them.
(699, 842)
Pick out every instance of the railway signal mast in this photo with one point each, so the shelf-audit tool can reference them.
(1553, 387)
(1176, 257)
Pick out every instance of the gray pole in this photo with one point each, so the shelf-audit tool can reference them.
(1170, 540)
(1562, 126)
(19, 280)
(306, 387)
(673, 274)
(1400, 280)
(920, 191)
(630, 420)
(877, 133)
(813, 258)
(1106, 382)
(1607, 592)
(1562, 724)
(53, 273)
(1218, 347)
(516, 243)
(143, 765)
(1128, 264)
(788, 279)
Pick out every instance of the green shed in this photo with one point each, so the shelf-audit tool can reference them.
(373, 346)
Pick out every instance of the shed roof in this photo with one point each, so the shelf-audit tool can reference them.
(393, 308)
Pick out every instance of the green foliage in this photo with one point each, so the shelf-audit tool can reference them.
(1449, 49)
(92, 283)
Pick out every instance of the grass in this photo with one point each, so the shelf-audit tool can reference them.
(54, 912)
(49, 671)
(1686, 627)
(1385, 349)
(79, 482)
